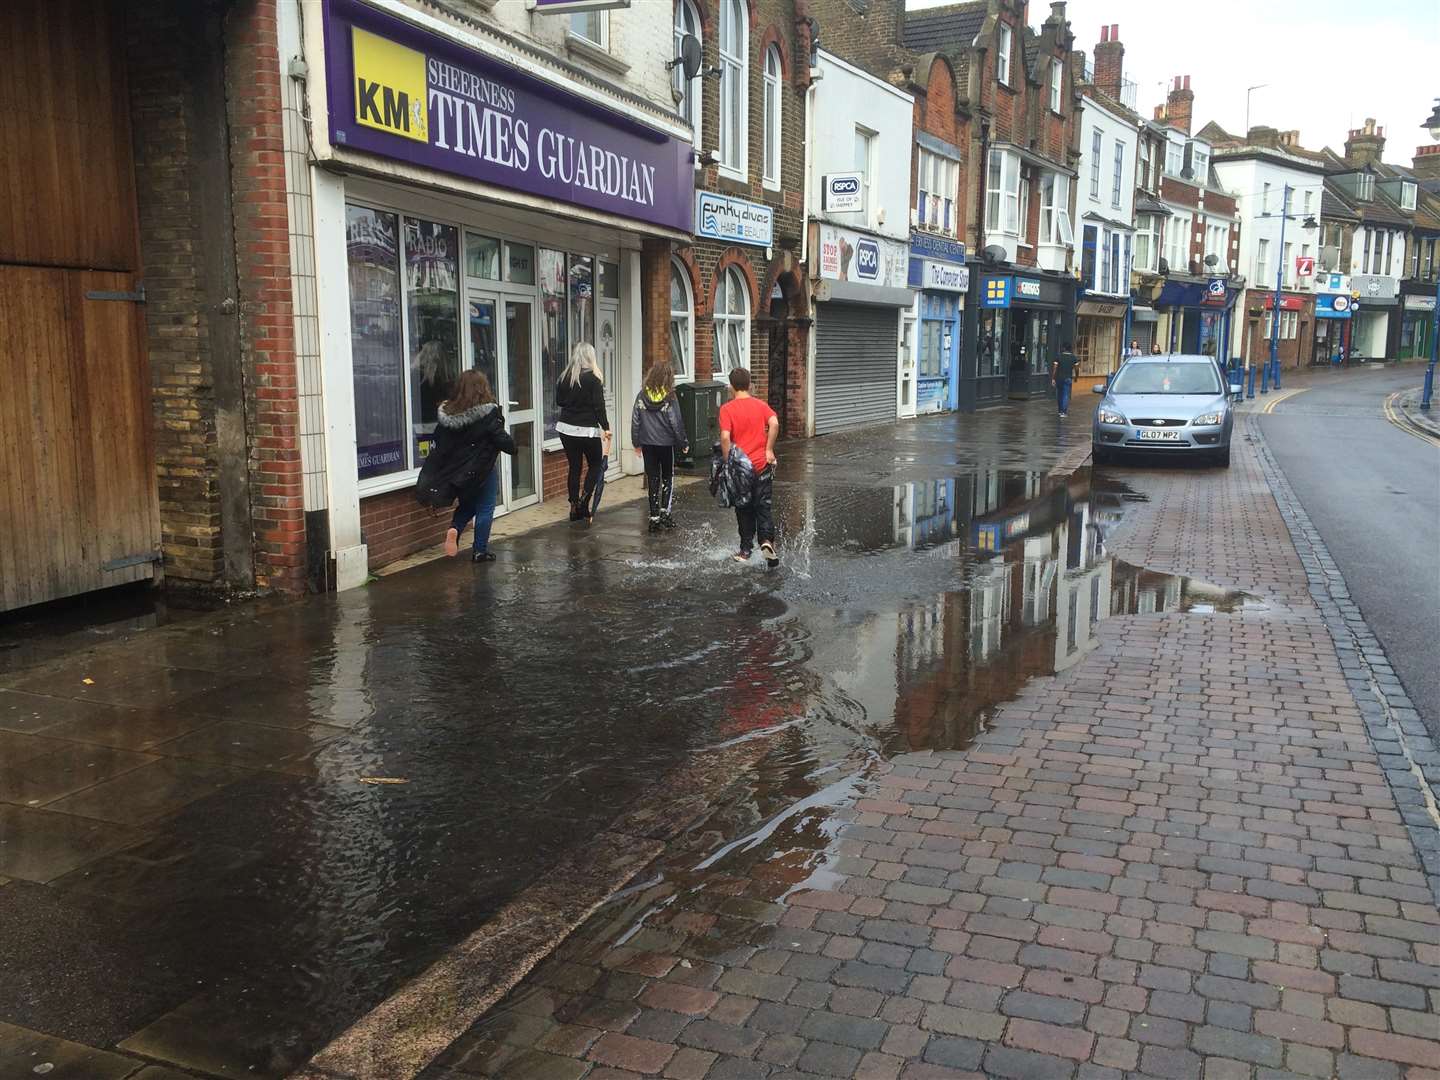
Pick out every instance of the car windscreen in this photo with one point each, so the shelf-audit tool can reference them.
(1166, 379)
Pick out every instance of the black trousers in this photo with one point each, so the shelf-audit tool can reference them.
(659, 477)
(757, 521)
(578, 449)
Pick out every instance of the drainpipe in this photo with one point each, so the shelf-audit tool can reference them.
(814, 44)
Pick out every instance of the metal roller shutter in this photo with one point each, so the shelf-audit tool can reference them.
(856, 353)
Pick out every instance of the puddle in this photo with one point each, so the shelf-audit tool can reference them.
(275, 896)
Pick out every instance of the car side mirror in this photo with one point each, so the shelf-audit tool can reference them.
(1098, 388)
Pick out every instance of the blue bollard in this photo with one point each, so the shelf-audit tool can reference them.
(1250, 393)
(1265, 377)
(1275, 378)
(1429, 386)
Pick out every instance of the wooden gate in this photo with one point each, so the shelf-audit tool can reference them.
(78, 500)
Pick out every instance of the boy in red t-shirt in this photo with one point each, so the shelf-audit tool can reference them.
(752, 426)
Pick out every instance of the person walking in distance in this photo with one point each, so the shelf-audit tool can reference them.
(1155, 349)
(748, 428)
(657, 430)
(1133, 350)
(469, 438)
(583, 425)
(1062, 377)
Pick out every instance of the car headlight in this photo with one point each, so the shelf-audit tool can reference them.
(1110, 416)
(1210, 419)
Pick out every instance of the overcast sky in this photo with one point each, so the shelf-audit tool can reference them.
(1329, 63)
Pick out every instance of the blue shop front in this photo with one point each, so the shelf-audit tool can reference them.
(1200, 313)
(941, 279)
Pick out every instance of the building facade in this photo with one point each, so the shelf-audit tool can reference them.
(858, 194)
(1277, 186)
(1105, 213)
(532, 206)
(1019, 89)
(739, 296)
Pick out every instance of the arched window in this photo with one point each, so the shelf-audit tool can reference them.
(682, 321)
(771, 176)
(732, 323)
(687, 21)
(734, 75)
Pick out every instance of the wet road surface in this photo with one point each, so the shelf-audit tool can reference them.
(222, 841)
(1373, 493)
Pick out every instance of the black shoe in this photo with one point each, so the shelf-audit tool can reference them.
(576, 514)
(482, 556)
(772, 560)
(667, 521)
(654, 524)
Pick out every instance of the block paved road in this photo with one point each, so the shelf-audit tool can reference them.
(1177, 858)
(1373, 493)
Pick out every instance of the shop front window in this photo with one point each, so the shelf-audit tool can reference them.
(432, 307)
(732, 323)
(554, 337)
(520, 264)
(993, 359)
(482, 257)
(377, 356)
(682, 321)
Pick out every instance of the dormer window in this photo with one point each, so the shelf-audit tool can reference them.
(1002, 55)
(1407, 196)
(1365, 186)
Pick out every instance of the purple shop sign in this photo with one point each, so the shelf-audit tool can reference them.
(405, 93)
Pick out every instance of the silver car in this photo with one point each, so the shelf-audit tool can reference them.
(1170, 404)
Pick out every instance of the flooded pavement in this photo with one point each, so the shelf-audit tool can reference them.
(221, 842)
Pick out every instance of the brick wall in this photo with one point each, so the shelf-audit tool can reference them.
(266, 309)
(177, 316)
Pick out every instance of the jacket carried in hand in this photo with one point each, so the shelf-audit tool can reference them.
(463, 453)
(656, 421)
(732, 478)
(582, 404)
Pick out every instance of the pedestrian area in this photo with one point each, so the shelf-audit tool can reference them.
(1010, 770)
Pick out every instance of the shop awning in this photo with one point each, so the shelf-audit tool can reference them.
(1143, 314)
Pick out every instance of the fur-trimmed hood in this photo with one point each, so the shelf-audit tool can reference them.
(469, 416)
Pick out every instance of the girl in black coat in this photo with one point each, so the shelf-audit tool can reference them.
(469, 436)
(584, 425)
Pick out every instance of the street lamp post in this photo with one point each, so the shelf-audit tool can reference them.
(1279, 282)
(1433, 126)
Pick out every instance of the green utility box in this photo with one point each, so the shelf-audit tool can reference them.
(700, 407)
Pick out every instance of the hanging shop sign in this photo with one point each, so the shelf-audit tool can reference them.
(846, 255)
(1214, 293)
(721, 217)
(1304, 266)
(996, 293)
(407, 94)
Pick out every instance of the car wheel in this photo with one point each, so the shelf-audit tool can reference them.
(1222, 458)
(1100, 455)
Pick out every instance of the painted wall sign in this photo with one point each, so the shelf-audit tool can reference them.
(722, 218)
(405, 93)
(842, 193)
(943, 276)
(846, 255)
(1376, 288)
(1287, 303)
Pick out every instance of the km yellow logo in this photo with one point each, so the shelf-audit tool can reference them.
(389, 86)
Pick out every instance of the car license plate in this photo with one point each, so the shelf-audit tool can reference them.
(1157, 435)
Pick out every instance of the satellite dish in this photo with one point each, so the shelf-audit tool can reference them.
(994, 253)
(1212, 259)
(690, 58)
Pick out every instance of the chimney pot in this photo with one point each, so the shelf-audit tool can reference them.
(1115, 31)
(1104, 34)
(1187, 82)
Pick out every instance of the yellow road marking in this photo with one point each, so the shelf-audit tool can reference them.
(1394, 415)
(1281, 395)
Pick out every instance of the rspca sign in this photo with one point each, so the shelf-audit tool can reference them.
(843, 193)
(734, 220)
(867, 260)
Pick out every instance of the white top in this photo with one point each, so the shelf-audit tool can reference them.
(579, 432)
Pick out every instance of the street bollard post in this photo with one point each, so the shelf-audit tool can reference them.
(1428, 392)
(1250, 393)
